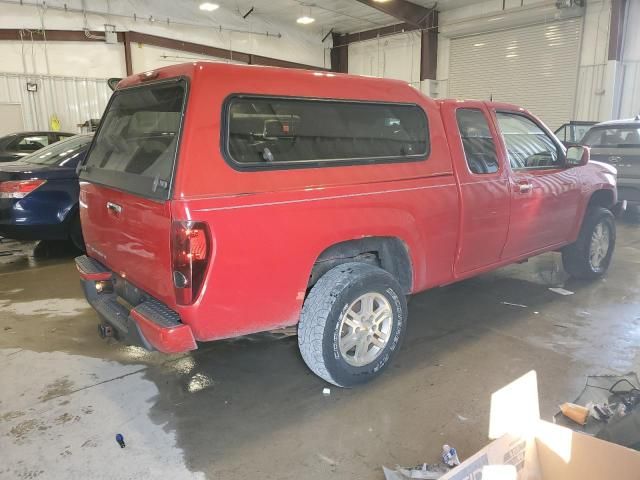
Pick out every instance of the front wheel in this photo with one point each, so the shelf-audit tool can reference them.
(590, 256)
(352, 323)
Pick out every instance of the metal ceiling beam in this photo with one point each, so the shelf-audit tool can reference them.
(403, 10)
(127, 38)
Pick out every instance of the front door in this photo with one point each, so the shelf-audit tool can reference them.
(484, 185)
(545, 195)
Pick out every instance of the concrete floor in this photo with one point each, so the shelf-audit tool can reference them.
(249, 408)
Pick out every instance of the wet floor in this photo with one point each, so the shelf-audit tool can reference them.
(249, 408)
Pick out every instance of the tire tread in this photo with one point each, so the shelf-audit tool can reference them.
(316, 310)
(575, 256)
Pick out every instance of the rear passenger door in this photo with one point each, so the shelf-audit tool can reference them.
(545, 195)
(484, 185)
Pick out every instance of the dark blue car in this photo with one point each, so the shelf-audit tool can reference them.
(39, 193)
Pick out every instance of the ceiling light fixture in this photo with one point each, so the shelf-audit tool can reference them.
(209, 7)
(305, 20)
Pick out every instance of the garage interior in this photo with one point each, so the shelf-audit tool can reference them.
(248, 407)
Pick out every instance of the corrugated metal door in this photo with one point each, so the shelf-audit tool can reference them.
(535, 67)
(72, 100)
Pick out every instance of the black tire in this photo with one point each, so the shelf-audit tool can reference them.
(319, 330)
(75, 232)
(617, 210)
(576, 258)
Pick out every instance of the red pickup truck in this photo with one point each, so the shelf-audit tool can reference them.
(219, 200)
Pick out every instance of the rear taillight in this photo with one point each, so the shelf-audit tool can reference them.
(19, 188)
(190, 253)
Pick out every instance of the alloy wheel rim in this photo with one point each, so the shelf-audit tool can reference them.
(599, 246)
(365, 329)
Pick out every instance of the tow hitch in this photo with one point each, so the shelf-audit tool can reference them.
(105, 330)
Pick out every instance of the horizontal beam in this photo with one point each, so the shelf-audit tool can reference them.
(346, 39)
(153, 40)
(189, 47)
(402, 10)
(50, 35)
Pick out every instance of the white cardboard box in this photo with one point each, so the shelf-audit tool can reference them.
(528, 448)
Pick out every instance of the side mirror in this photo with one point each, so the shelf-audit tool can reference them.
(577, 156)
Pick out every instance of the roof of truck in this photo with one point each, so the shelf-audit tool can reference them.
(190, 68)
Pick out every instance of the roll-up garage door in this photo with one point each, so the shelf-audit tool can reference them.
(535, 67)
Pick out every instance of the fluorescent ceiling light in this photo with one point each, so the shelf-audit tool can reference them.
(209, 7)
(305, 20)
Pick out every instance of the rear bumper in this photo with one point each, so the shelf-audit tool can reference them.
(149, 324)
(35, 217)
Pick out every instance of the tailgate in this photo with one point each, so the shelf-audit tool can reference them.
(131, 236)
(626, 160)
(125, 185)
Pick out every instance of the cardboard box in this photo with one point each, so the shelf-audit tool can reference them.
(528, 448)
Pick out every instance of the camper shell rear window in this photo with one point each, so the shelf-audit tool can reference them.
(136, 145)
(263, 132)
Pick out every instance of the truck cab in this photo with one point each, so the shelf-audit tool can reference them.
(220, 200)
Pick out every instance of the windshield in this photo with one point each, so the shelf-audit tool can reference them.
(136, 144)
(60, 153)
(617, 137)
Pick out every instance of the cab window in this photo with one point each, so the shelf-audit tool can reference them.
(268, 132)
(528, 146)
(477, 141)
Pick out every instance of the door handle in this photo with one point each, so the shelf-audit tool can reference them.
(524, 187)
(114, 207)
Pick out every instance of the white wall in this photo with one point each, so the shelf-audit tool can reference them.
(76, 59)
(148, 57)
(394, 56)
(72, 100)
(293, 45)
(595, 87)
(70, 75)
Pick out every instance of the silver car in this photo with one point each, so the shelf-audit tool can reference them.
(617, 142)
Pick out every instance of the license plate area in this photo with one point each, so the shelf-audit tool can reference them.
(128, 292)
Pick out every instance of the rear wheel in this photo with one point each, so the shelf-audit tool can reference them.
(352, 323)
(590, 256)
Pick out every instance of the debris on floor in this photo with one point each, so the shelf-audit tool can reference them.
(120, 440)
(577, 413)
(561, 291)
(449, 459)
(515, 304)
(326, 392)
(450, 456)
(613, 409)
(424, 471)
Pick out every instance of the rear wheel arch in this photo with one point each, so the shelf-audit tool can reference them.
(389, 253)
